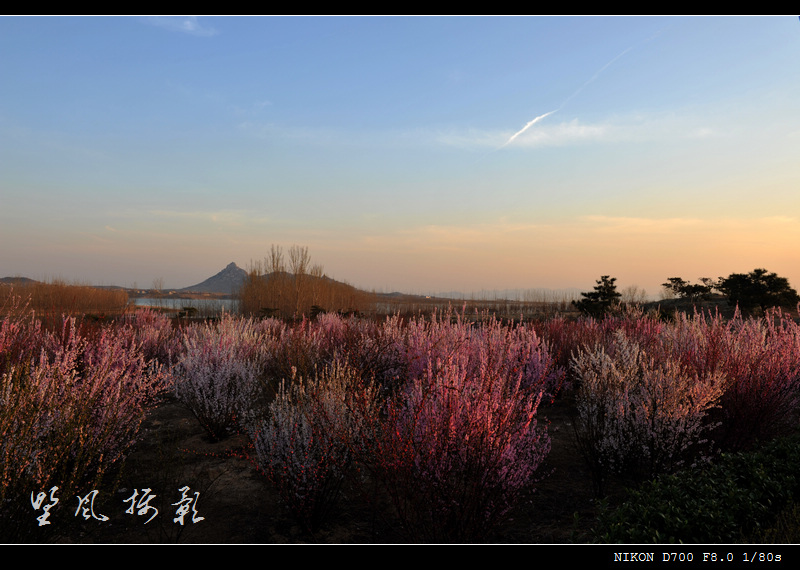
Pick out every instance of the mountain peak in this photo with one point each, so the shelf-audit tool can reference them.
(228, 281)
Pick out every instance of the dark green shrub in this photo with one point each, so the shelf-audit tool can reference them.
(728, 501)
(785, 530)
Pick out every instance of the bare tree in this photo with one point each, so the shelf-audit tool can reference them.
(274, 262)
(290, 286)
(633, 295)
(316, 273)
(277, 279)
(299, 262)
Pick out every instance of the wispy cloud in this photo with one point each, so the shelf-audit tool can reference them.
(224, 217)
(535, 134)
(186, 24)
(630, 223)
(572, 132)
(639, 225)
(633, 128)
(559, 134)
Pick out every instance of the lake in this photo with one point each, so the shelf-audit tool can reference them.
(203, 306)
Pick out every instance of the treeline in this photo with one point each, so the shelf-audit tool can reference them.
(758, 289)
(290, 286)
(752, 293)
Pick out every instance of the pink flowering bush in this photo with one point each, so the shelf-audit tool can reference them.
(763, 391)
(218, 373)
(760, 361)
(160, 341)
(443, 411)
(69, 413)
(638, 416)
(511, 351)
(566, 337)
(372, 349)
(490, 347)
(288, 347)
(427, 343)
(20, 333)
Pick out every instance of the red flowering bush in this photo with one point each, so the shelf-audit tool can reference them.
(459, 443)
(763, 391)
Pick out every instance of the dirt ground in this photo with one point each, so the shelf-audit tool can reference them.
(238, 505)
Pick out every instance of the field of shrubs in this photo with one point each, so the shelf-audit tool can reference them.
(438, 414)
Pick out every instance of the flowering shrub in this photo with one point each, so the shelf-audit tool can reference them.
(760, 360)
(762, 363)
(217, 375)
(372, 350)
(68, 414)
(462, 400)
(159, 340)
(426, 344)
(290, 348)
(312, 432)
(511, 351)
(459, 444)
(20, 333)
(637, 416)
(566, 337)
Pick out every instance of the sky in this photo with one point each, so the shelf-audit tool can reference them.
(414, 154)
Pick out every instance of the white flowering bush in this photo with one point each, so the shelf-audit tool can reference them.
(312, 432)
(638, 416)
(218, 373)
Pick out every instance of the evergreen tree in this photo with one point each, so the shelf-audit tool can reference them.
(600, 301)
(758, 289)
(686, 290)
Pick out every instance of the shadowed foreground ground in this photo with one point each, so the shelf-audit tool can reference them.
(238, 504)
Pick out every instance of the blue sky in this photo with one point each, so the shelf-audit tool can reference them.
(415, 154)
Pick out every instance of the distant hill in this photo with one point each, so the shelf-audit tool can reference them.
(17, 281)
(227, 282)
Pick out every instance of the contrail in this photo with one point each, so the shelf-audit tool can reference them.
(527, 126)
(567, 100)
(595, 76)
